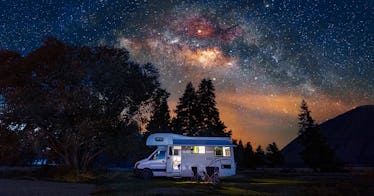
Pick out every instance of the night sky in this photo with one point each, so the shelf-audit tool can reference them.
(263, 56)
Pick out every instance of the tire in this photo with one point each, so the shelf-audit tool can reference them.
(147, 174)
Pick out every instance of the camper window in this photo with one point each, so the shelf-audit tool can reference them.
(218, 151)
(198, 150)
(222, 151)
(175, 150)
(158, 155)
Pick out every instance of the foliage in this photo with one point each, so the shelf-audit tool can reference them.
(315, 152)
(209, 123)
(197, 114)
(75, 100)
(185, 121)
(249, 156)
(239, 154)
(305, 119)
(10, 147)
(160, 118)
(274, 156)
(259, 156)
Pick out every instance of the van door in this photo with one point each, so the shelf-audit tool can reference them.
(174, 159)
(158, 162)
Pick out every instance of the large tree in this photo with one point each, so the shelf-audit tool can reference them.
(185, 121)
(74, 99)
(160, 117)
(315, 151)
(209, 123)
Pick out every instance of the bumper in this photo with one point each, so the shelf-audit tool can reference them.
(137, 172)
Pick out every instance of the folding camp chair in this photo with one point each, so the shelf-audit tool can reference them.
(211, 175)
(196, 177)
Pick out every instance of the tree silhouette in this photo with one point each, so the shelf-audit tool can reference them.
(315, 152)
(160, 118)
(249, 156)
(10, 147)
(305, 119)
(197, 114)
(185, 121)
(74, 99)
(239, 154)
(274, 156)
(259, 156)
(209, 123)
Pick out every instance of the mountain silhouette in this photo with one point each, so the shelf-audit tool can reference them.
(350, 134)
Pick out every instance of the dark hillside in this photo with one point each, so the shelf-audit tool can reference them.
(351, 135)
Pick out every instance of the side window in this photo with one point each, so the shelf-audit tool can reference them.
(226, 151)
(222, 151)
(219, 151)
(158, 155)
(198, 150)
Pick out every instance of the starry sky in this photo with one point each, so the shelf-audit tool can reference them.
(264, 56)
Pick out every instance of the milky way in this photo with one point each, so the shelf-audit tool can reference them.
(263, 56)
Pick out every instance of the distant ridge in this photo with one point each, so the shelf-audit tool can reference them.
(351, 134)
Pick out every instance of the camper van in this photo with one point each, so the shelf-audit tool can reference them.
(184, 156)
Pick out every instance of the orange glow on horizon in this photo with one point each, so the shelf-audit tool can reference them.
(262, 117)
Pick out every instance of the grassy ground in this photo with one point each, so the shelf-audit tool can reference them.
(259, 182)
(245, 183)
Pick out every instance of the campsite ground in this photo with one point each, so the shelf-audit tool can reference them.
(258, 182)
(245, 183)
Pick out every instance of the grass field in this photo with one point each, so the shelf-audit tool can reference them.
(245, 183)
(249, 182)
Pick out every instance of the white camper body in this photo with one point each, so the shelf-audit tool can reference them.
(177, 154)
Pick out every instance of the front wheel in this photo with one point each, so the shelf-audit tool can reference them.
(147, 174)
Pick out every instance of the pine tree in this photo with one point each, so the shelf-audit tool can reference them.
(259, 156)
(209, 123)
(315, 152)
(239, 154)
(185, 121)
(160, 118)
(274, 156)
(249, 156)
(305, 119)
